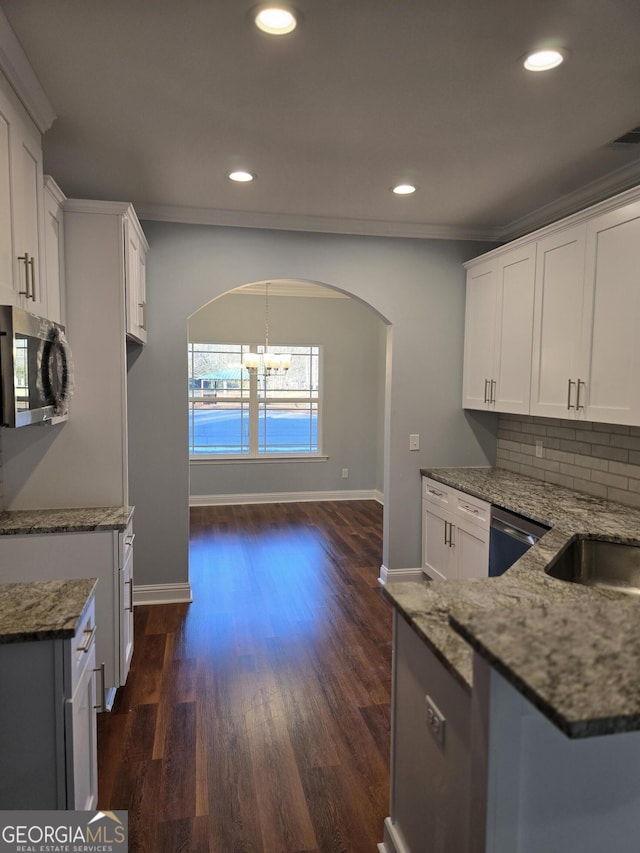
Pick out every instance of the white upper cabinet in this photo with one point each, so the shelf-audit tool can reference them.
(611, 317)
(21, 207)
(582, 350)
(514, 325)
(479, 335)
(135, 284)
(54, 250)
(558, 345)
(498, 332)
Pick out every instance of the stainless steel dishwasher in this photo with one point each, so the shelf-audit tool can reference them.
(510, 537)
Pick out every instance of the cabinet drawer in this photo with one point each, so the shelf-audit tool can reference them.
(436, 493)
(83, 646)
(470, 509)
(125, 544)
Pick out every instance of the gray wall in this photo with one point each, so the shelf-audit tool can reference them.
(417, 285)
(353, 369)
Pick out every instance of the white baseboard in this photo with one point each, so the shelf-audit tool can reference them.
(379, 496)
(399, 575)
(162, 593)
(393, 843)
(285, 497)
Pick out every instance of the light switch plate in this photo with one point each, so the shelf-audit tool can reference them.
(414, 442)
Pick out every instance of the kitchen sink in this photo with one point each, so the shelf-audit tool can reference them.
(608, 565)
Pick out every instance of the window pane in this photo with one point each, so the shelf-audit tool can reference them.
(233, 412)
(218, 428)
(288, 429)
(215, 370)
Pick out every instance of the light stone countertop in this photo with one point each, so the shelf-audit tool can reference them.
(76, 520)
(46, 610)
(573, 651)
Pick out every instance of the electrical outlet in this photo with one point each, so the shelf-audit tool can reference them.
(345, 473)
(414, 442)
(539, 448)
(435, 720)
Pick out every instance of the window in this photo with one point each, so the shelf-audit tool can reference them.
(233, 412)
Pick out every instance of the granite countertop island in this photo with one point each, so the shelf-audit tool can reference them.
(76, 520)
(572, 650)
(46, 610)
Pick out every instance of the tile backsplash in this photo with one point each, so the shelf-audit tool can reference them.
(600, 459)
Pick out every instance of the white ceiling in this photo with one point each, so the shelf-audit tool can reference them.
(158, 99)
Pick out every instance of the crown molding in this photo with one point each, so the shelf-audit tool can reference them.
(317, 224)
(51, 186)
(585, 214)
(596, 191)
(18, 71)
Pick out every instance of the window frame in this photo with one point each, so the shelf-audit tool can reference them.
(255, 399)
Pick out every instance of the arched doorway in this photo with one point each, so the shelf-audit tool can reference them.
(344, 417)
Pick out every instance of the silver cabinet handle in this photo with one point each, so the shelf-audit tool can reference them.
(25, 258)
(91, 632)
(571, 382)
(578, 406)
(434, 492)
(143, 305)
(103, 705)
(446, 524)
(492, 391)
(130, 585)
(451, 542)
(486, 396)
(33, 278)
(129, 539)
(468, 508)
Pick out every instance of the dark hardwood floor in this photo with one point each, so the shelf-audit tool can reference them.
(256, 719)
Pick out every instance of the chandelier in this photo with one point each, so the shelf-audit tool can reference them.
(271, 363)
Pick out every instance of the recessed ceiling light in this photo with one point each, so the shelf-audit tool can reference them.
(275, 19)
(404, 189)
(241, 177)
(544, 60)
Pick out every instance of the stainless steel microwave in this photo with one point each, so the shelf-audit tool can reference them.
(35, 369)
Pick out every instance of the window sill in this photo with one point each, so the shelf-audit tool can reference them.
(261, 460)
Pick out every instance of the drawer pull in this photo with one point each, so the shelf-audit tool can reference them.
(434, 492)
(103, 705)
(129, 539)
(130, 585)
(469, 508)
(91, 632)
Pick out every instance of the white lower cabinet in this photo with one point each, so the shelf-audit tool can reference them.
(105, 554)
(48, 745)
(455, 533)
(430, 776)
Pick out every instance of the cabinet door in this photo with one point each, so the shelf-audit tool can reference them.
(7, 292)
(479, 335)
(437, 553)
(27, 186)
(558, 323)
(472, 551)
(81, 741)
(135, 284)
(126, 617)
(514, 325)
(142, 295)
(54, 250)
(612, 317)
